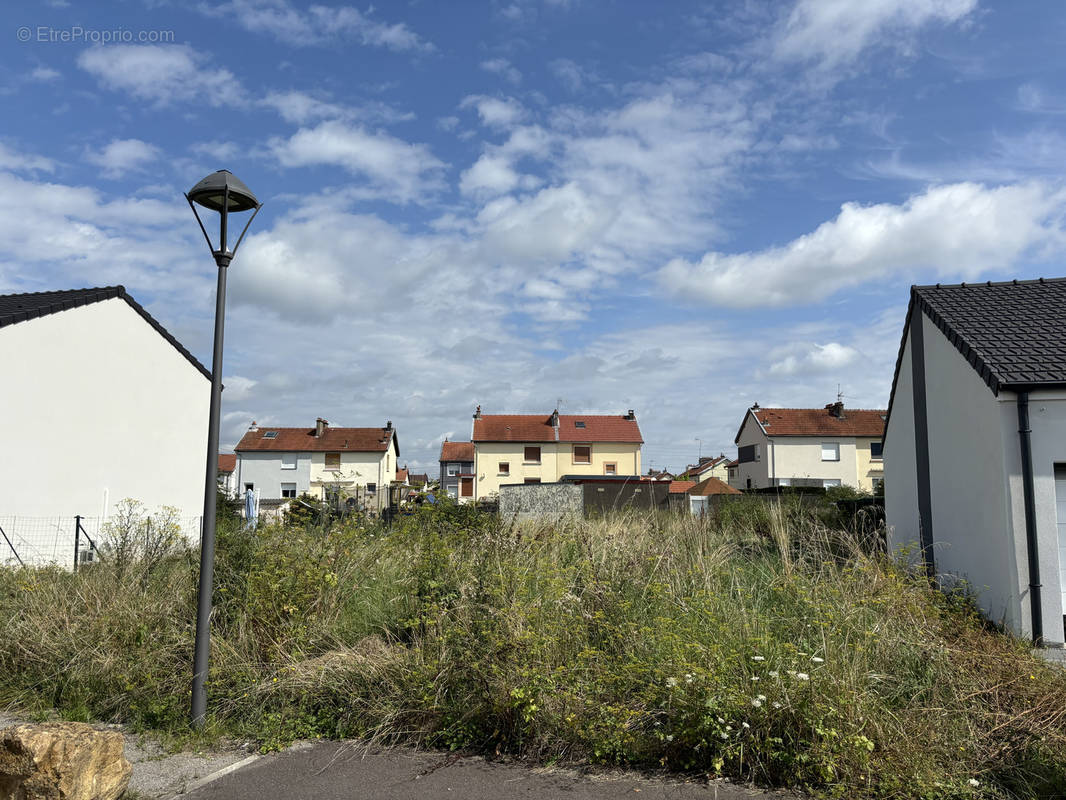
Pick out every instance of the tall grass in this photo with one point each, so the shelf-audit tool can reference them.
(760, 644)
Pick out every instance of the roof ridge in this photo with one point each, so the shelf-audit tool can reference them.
(117, 286)
(985, 284)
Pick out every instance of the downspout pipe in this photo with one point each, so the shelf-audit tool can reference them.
(1031, 543)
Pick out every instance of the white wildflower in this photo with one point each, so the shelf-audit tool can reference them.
(746, 725)
(728, 728)
(758, 658)
(776, 704)
(669, 737)
(688, 677)
(671, 682)
(802, 676)
(974, 782)
(774, 673)
(721, 721)
(724, 735)
(756, 702)
(762, 697)
(755, 677)
(817, 660)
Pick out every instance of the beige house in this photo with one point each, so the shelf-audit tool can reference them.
(709, 467)
(826, 447)
(279, 463)
(535, 448)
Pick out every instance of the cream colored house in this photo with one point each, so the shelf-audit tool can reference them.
(535, 448)
(710, 467)
(322, 461)
(810, 447)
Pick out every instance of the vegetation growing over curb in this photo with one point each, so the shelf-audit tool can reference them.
(760, 644)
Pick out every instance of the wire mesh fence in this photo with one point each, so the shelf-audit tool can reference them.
(68, 541)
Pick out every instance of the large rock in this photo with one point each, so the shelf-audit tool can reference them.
(62, 761)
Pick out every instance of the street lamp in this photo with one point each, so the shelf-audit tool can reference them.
(223, 192)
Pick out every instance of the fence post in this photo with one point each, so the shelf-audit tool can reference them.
(77, 539)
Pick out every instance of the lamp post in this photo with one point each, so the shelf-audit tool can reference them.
(222, 192)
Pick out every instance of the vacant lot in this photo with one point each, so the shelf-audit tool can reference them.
(761, 644)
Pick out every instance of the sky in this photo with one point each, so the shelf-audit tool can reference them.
(681, 208)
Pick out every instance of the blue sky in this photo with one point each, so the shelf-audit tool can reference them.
(680, 208)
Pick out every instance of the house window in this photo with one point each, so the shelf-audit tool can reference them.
(532, 480)
(504, 468)
(270, 435)
(830, 451)
(532, 456)
(371, 488)
(749, 483)
(879, 485)
(829, 483)
(333, 460)
(610, 468)
(746, 454)
(875, 450)
(784, 481)
(579, 424)
(582, 454)
(249, 487)
(288, 460)
(453, 470)
(288, 490)
(453, 492)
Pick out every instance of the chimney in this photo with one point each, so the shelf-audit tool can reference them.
(388, 425)
(555, 418)
(477, 414)
(320, 427)
(253, 426)
(836, 409)
(755, 406)
(631, 416)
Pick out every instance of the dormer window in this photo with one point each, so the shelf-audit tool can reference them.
(270, 435)
(579, 424)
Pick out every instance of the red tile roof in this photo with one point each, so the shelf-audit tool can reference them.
(538, 428)
(401, 475)
(681, 487)
(712, 486)
(227, 462)
(819, 422)
(457, 451)
(303, 440)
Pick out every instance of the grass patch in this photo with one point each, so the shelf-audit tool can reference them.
(760, 644)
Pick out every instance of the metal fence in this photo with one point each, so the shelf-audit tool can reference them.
(65, 541)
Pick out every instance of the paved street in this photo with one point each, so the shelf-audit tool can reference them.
(346, 771)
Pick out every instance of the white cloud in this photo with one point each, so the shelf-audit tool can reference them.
(834, 32)
(397, 169)
(808, 358)
(121, 156)
(495, 112)
(569, 73)
(300, 108)
(318, 24)
(963, 229)
(45, 74)
(162, 74)
(24, 162)
(503, 68)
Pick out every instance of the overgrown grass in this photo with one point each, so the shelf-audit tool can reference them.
(760, 644)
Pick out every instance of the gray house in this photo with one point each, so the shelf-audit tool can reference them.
(457, 470)
(975, 446)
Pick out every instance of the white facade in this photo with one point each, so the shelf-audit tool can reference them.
(270, 474)
(97, 406)
(975, 483)
(832, 460)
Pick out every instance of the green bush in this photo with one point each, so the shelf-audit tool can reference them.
(755, 643)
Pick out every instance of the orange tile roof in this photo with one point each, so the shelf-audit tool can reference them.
(681, 487)
(712, 486)
(457, 451)
(227, 462)
(401, 475)
(538, 428)
(819, 422)
(303, 440)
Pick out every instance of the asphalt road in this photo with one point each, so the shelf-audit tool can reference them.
(346, 771)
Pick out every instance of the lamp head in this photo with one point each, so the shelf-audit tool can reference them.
(211, 192)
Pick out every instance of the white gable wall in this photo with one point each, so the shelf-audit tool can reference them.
(757, 471)
(901, 481)
(95, 404)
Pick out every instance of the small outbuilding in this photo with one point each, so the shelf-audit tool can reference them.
(975, 446)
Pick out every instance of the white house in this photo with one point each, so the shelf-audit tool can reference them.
(98, 403)
(826, 447)
(227, 474)
(278, 463)
(975, 445)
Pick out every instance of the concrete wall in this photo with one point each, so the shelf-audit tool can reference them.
(264, 471)
(542, 502)
(97, 406)
(1047, 419)
(901, 485)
